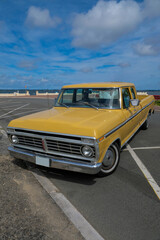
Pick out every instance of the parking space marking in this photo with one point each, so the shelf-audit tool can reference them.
(143, 148)
(21, 113)
(145, 172)
(3, 131)
(85, 228)
(14, 110)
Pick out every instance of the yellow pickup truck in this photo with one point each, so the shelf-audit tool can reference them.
(85, 130)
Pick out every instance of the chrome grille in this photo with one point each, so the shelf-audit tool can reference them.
(64, 147)
(53, 146)
(30, 141)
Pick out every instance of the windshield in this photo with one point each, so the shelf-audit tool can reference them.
(89, 98)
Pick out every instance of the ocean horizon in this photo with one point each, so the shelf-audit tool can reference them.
(33, 91)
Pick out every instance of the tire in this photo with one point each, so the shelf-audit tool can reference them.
(110, 161)
(147, 122)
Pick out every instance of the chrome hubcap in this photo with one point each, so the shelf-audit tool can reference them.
(109, 160)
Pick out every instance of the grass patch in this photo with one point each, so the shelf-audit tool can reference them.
(157, 102)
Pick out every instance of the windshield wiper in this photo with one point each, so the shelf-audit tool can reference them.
(89, 104)
(63, 104)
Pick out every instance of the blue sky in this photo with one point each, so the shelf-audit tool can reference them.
(48, 44)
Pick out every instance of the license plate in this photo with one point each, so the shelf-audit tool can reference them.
(43, 161)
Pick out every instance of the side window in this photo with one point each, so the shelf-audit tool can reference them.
(67, 96)
(126, 97)
(133, 93)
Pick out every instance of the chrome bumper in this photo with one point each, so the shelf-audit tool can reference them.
(56, 163)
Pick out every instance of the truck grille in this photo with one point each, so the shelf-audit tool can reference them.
(63, 147)
(49, 145)
(30, 141)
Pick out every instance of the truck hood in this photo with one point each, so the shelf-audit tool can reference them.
(76, 121)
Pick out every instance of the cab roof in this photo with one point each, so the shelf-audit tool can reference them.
(100, 85)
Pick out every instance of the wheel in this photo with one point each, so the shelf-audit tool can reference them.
(147, 122)
(111, 160)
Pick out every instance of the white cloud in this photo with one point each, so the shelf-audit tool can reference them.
(143, 49)
(38, 17)
(151, 8)
(105, 23)
(109, 20)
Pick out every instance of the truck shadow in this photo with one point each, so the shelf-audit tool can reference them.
(52, 173)
(62, 175)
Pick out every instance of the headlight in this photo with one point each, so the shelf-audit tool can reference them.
(14, 139)
(87, 151)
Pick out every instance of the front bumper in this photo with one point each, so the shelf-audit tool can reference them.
(56, 163)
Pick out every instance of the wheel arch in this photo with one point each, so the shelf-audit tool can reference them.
(117, 145)
(118, 142)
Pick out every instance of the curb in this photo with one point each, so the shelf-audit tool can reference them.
(82, 225)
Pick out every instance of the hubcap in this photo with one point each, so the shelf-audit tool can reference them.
(109, 160)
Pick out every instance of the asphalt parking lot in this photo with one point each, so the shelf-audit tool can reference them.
(124, 205)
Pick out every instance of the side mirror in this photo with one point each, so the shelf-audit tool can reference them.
(134, 102)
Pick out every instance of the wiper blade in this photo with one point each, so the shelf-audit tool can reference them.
(91, 105)
(63, 104)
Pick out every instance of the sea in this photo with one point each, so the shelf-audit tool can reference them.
(33, 91)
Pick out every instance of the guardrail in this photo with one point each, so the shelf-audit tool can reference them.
(27, 94)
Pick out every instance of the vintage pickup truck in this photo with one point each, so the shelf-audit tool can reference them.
(85, 130)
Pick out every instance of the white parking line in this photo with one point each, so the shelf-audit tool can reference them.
(145, 171)
(143, 148)
(85, 228)
(14, 110)
(3, 132)
(21, 113)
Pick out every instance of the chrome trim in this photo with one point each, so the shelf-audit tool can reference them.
(55, 153)
(57, 163)
(70, 135)
(72, 154)
(120, 95)
(50, 137)
(122, 124)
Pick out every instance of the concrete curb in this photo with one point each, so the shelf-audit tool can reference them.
(84, 227)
